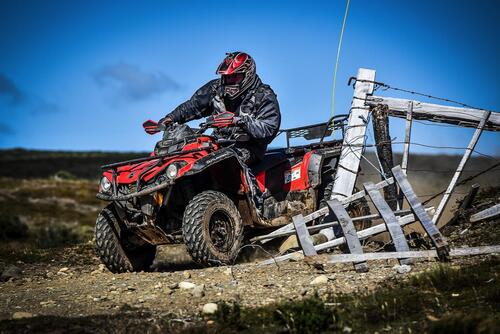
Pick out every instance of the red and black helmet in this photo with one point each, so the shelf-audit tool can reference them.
(237, 72)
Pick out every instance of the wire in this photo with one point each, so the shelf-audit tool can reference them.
(386, 87)
(337, 59)
(429, 146)
(463, 181)
(449, 171)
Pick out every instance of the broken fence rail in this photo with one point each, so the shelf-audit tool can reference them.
(314, 228)
(491, 212)
(319, 213)
(363, 234)
(454, 252)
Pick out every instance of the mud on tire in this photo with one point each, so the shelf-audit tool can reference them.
(113, 248)
(212, 229)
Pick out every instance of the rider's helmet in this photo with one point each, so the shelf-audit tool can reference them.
(237, 72)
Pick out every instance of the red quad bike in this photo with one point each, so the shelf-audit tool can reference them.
(194, 189)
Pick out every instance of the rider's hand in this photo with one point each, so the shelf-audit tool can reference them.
(152, 127)
(166, 120)
(224, 120)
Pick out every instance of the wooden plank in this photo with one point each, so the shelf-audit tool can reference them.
(467, 117)
(461, 165)
(406, 150)
(354, 140)
(303, 236)
(349, 231)
(455, 252)
(436, 237)
(491, 212)
(366, 233)
(396, 232)
(323, 211)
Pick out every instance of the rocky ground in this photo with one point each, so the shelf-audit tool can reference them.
(74, 285)
(51, 281)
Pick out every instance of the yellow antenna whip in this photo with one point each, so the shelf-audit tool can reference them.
(337, 60)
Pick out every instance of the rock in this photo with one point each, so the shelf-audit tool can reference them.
(209, 308)
(347, 329)
(63, 269)
(100, 269)
(21, 315)
(168, 291)
(296, 257)
(186, 275)
(402, 269)
(289, 243)
(198, 291)
(228, 271)
(10, 272)
(48, 303)
(322, 279)
(173, 286)
(186, 285)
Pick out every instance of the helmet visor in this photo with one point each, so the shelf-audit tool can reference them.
(233, 79)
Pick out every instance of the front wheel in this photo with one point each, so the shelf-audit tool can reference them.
(115, 249)
(212, 229)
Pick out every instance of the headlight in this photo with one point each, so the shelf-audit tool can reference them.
(105, 184)
(172, 171)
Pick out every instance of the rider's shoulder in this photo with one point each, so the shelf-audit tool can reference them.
(214, 83)
(265, 89)
(210, 86)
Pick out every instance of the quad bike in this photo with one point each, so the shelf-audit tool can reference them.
(194, 189)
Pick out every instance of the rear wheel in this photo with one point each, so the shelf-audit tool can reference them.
(115, 250)
(212, 229)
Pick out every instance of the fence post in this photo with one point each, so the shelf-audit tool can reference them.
(354, 140)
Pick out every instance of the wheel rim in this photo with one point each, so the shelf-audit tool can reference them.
(220, 229)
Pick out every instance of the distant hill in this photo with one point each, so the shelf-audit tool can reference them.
(26, 164)
(21, 163)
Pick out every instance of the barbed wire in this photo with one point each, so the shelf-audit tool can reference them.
(378, 85)
(448, 171)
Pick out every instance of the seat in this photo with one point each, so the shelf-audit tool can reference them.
(271, 159)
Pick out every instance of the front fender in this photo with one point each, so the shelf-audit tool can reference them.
(212, 159)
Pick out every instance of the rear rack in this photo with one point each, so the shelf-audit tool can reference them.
(316, 131)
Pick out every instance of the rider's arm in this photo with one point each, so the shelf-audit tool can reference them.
(265, 122)
(196, 107)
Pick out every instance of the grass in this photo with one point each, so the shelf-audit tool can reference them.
(39, 214)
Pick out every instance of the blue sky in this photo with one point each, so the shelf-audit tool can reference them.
(84, 75)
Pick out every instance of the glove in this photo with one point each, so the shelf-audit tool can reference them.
(165, 120)
(225, 120)
(152, 127)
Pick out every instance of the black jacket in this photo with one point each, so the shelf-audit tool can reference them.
(258, 109)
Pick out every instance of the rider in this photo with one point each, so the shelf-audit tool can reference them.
(241, 92)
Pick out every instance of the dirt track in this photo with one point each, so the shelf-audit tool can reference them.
(73, 286)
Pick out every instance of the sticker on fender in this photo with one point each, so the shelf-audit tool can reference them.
(292, 175)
